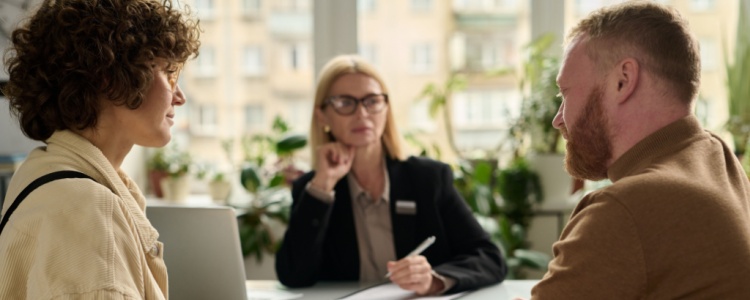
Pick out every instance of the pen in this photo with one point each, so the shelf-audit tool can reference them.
(418, 250)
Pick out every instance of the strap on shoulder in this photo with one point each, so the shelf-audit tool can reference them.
(34, 185)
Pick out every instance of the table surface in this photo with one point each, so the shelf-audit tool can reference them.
(508, 289)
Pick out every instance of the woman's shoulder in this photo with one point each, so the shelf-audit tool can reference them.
(420, 163)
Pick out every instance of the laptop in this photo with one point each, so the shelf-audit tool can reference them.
(201, 250)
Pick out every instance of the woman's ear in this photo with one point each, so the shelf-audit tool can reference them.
(321, 117)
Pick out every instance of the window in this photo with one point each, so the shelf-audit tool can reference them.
(299, 114)
(251, 7)
(422, 58)
(702, 5)
(366, 6)
(485, 5)
(702, 111)
(254, 117)
(295, 57)
(421, 5)
(709, 54)
(206, 9)
(252, 60)
(206, 62)
(482, 117)
(295, 5)
(419, 116)
(489, 56)
(584, 7)
(205, 114)
(486, 108)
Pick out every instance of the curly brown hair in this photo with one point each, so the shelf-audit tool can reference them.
(71, 54)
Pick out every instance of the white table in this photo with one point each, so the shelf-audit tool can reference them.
(508, 289)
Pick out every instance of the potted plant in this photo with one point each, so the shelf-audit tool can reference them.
(158, 169)
(738, 89)
(540, 105)
(266, 175)
(479, 182)
(220, 188)
(175, 185)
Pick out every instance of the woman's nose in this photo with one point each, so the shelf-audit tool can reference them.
(178, 97)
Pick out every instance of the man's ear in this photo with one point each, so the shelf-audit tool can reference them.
(627, 75)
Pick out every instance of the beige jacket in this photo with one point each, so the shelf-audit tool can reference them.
(674, 225)
(76, 238)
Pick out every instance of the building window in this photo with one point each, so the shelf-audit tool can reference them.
(299, 114)
(419, 116)
(206, 9)
(251, 7)
(486, 108)
(584, 7)
(252, 60)
(366, 6)
(489, 57)
(702, 111)
(205, 114)
(422, 58)
(254, 117)
(295, 57)
(702, 5)
(206, 62)
(709, 54)
(421, 5)
(295, 5)
(485, 5)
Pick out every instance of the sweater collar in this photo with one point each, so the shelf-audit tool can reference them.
(95, 164)
(664, 141)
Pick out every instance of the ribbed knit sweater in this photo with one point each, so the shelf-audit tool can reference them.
(78, 238)
(675, 224)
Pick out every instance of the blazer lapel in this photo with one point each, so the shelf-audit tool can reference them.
(404, 225)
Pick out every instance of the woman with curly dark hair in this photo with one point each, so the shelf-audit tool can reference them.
(90, 78)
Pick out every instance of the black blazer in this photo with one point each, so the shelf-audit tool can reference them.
(320, 243)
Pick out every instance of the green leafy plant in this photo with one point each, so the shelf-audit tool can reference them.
(440, 97)
(738, 89)
(479, 183)
(541, 101)
(269, 186)
(171, 160)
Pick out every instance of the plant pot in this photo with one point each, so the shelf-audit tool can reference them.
(154, 180)
(176, 189)
(557, 184)
(220, 190)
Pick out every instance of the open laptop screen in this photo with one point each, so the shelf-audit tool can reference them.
(201, 250)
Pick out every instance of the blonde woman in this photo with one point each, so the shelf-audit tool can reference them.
(366, 206)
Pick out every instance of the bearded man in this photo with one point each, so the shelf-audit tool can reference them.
(675, 223)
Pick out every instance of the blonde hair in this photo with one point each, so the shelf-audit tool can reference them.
(657, 36)
(335, 68)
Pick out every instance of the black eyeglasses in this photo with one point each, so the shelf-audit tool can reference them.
(347, 105)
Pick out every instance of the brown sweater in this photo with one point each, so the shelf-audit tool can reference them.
(674, 225)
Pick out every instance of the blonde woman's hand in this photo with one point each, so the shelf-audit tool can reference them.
(414, 273)
(333, 161)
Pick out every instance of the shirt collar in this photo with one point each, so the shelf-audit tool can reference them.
(356, 189)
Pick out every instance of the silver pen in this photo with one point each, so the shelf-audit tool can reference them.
(418, 250)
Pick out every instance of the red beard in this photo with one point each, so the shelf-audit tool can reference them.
(589, 147)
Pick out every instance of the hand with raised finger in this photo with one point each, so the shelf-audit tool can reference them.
(414, 273)
(333, 161)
